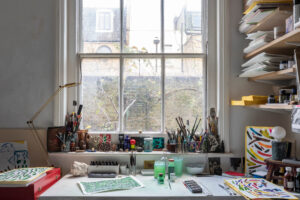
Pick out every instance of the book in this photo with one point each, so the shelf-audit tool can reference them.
(233, 174)
(249, 2)
(259, 15)
(267, 4)
(254, 98)
(22, 177)
(247, 103)
(258, 188)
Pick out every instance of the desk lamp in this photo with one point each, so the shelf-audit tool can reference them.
(31, 124)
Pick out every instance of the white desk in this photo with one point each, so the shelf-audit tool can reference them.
(67, 189)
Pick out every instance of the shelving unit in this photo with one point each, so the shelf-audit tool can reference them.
(274, 19)
(275, 77)
(283, 45)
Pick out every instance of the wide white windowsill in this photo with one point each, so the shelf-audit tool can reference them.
(117, 153)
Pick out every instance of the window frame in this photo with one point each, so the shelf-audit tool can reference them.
(162, 56)
(68, 62)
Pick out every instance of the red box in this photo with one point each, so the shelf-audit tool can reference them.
(32, 191)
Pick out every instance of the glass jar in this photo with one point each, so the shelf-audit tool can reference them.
(288, 181)
(178, 162)
(148, 144)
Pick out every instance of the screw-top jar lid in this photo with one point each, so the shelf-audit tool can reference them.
(288, 169)
(298, 169)
(171, 160)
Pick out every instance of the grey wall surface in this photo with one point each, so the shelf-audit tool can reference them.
(27, 61)
(241, 117)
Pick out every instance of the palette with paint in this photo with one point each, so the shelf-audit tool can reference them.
(257, 188)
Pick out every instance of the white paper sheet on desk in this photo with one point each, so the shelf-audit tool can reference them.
(106, 185)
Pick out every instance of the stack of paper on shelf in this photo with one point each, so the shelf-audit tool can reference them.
(253, 18)
(261, 64)
(250, 100)
(259, 10)
(258, 39)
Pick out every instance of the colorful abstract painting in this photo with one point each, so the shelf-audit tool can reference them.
(258, 147)
(13, 155)
(258, 188)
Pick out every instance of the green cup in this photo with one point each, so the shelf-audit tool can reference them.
(178, 166)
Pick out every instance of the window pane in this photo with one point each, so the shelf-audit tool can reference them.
(100, 29)
(142, 95)
(100, 94)
(183, 90)
(141, 26)
(183, 26)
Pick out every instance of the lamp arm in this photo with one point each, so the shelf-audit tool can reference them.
(30, 122)
(44, 105)
(51, 98)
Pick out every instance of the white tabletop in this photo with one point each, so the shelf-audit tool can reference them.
(67, 189)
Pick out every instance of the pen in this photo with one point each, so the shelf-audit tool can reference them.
(227, 190)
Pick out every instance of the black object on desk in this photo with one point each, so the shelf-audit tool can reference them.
(192, 186)
(101, 175)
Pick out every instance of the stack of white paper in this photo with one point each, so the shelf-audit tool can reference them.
(252, 18)
(258, 39)
(262, 64)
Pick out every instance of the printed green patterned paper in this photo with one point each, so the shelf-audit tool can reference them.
(126, 183)
(22, 175)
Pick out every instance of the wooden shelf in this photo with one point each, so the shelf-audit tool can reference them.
(280, 45)
(276, 18)
(282, 75)
(271, 107)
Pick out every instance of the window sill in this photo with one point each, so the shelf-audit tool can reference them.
(116, 153)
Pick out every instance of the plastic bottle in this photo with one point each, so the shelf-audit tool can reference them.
(171, 168)
(288, 181)
(281, 174)
(126, 143)
(297, 181)
(132, 144)
(161, 178)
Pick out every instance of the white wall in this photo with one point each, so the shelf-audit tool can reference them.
(27, 62)
(241, 117)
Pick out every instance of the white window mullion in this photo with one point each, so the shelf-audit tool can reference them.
(162, 29)
(121, 70)
(162, 94)
(121, 89)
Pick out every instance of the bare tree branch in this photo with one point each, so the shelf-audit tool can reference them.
(178, 90)
(112, 102)
(110, 98)
(104, 112)
(127, 108)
